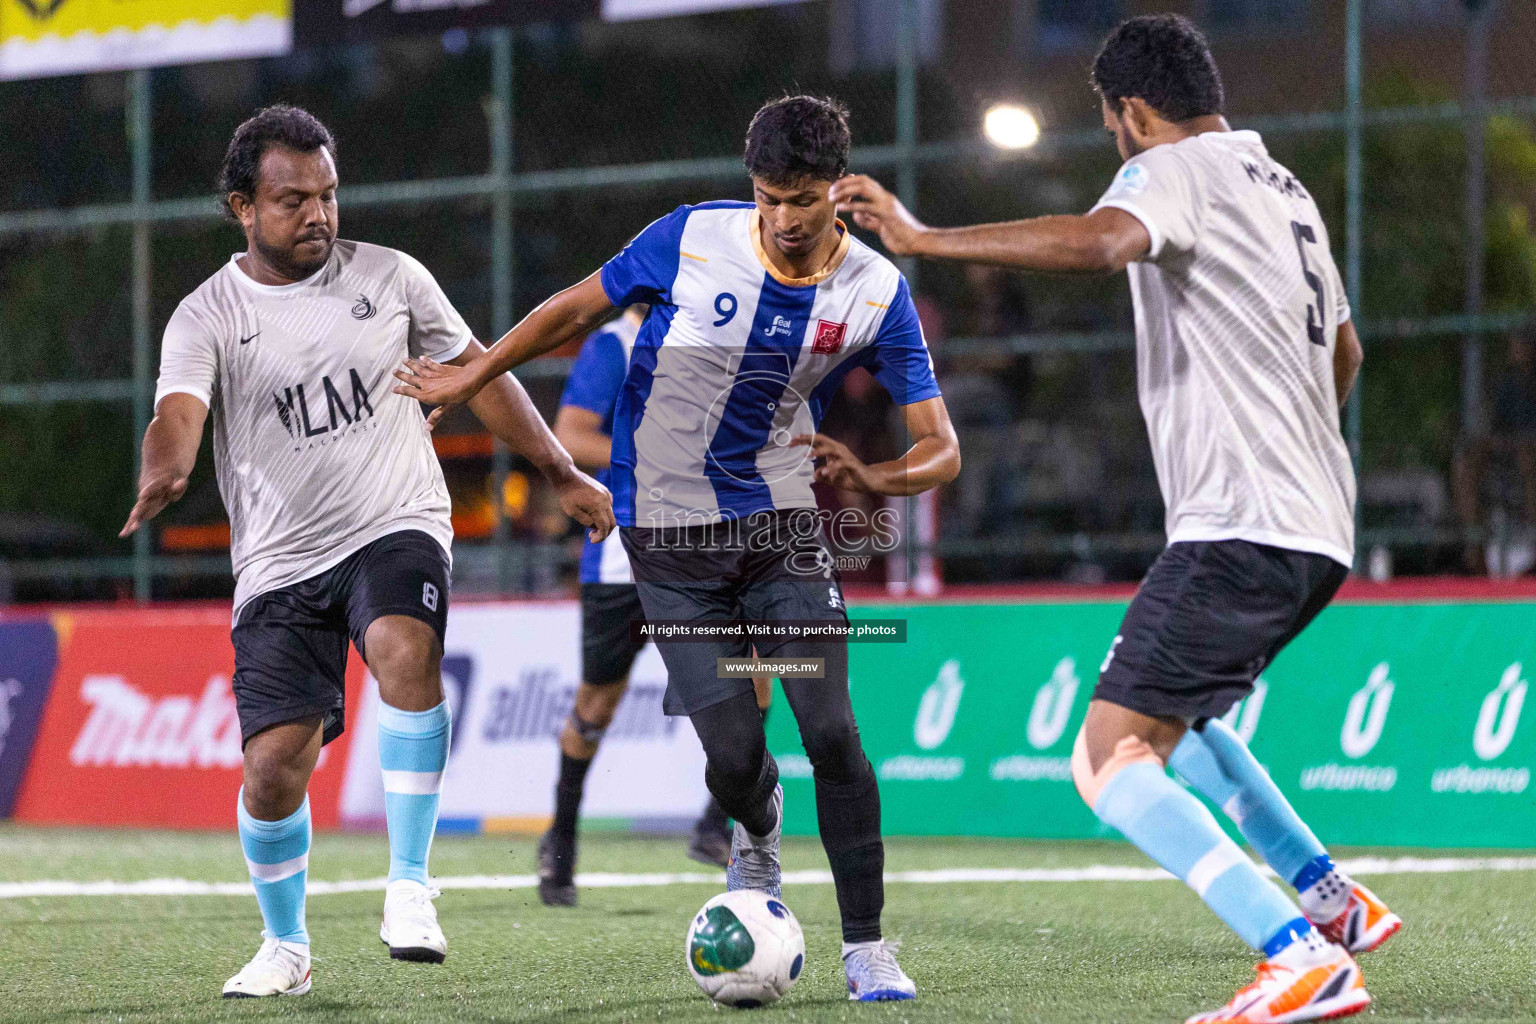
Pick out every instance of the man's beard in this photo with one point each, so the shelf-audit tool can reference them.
(286, 261)
(1128, 143)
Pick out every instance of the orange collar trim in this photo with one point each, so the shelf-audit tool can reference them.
(755, 229)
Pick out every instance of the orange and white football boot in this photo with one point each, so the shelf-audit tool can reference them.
(1363, 925)
(1321, 987)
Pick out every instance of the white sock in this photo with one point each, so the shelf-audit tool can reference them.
(1326, 898)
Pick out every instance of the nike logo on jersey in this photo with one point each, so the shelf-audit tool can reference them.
(248, 340)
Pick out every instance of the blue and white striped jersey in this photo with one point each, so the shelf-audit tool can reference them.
(594, 384)
(735, 359)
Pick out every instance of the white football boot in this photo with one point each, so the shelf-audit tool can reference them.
(277, 969)
(754, 862)
(873, 974)
(410, 928)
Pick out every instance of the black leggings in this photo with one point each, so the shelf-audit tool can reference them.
(741, 774)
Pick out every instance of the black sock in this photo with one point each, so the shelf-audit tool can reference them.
(573, 779)
(848, 817)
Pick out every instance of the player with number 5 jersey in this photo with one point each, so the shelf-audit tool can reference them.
(1244, 355)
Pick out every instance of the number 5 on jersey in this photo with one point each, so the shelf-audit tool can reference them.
(1304, 234)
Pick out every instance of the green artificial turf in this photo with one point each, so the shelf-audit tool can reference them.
(1052, 951)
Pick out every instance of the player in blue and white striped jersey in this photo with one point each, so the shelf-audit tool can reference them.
(610, 602)
(757, 312)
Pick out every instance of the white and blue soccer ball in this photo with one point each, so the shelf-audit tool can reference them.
(745, 948)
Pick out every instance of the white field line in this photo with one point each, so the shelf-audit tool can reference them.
(613, 880)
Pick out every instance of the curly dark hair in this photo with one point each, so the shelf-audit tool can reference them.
(1165, 60)
(277, 125)
(798, 137)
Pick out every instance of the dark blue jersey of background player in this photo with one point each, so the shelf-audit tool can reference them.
(585, 422)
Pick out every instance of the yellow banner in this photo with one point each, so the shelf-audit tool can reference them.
(61, 37)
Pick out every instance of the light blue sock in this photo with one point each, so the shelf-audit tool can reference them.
(277, 855)
(413, 751)
(1172, 827)
(1219, 764)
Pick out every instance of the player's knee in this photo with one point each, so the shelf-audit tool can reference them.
(596, 705)
(1090, 782)
(738, 780)
(406, 657)
(736, 770)
(833, 748)
(274, 784)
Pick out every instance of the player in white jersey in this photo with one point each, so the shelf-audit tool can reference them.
(339, 518)
(757, 311)
(610, 608)
(1245, 354)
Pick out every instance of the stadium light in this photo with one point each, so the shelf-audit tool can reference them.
(1009, 126)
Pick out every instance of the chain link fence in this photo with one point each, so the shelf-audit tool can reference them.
(513, 162)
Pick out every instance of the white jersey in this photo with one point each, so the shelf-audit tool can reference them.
(1238, 307)
(316, 457)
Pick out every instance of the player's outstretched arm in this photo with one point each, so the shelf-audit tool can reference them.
(1102, 242)
(507, 412)
(933, 459)
(560, 318)
(170, 452)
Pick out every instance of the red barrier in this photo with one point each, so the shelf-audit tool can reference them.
(141, 730)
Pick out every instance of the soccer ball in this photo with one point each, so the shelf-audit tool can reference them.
(745, 948)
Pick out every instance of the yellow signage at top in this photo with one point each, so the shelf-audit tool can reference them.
(58, 37)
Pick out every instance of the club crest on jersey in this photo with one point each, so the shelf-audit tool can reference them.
(1131, 181)
(829, 338)
(362, 309)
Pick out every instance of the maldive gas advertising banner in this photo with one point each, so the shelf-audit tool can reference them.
(39, 38)
(140, 726)
(1385, 724)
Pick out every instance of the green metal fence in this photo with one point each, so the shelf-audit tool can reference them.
(502, 186)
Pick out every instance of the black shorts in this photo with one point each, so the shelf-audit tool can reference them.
(291, 643)
(607, 650)
(1209, 617)
(769, 567)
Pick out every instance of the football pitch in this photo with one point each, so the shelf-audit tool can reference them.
(1062, 946)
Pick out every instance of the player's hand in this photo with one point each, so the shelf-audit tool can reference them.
(154, 495)
(839, 466)
(588, 502)
(875, 209)
(435, 383)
